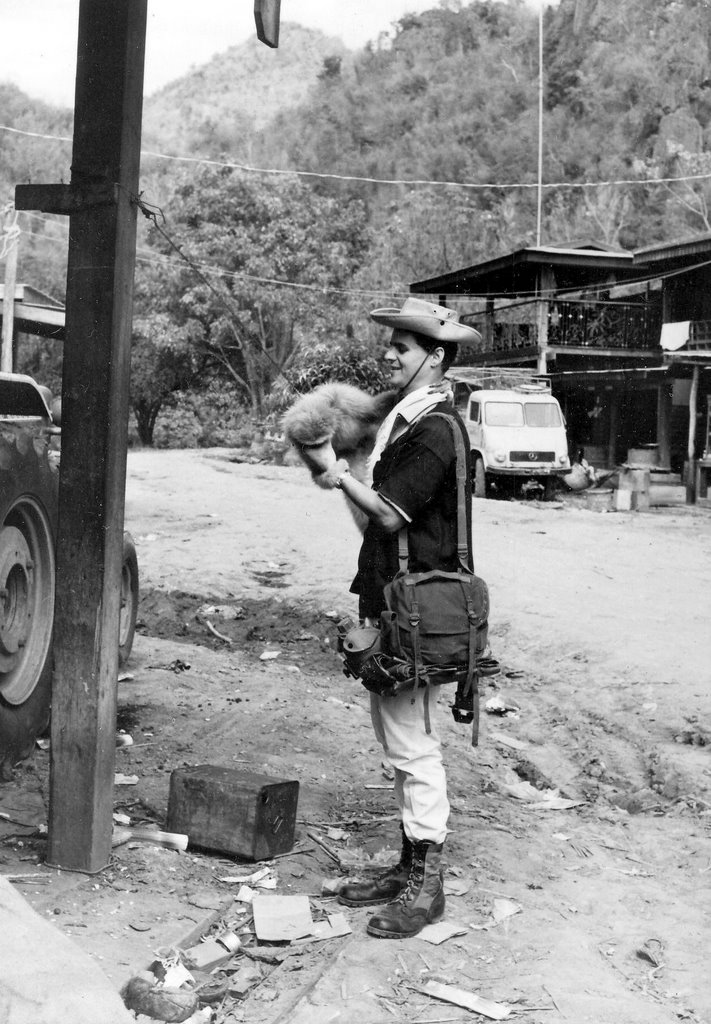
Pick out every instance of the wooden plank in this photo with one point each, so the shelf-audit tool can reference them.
(106, 152)
(8, 298)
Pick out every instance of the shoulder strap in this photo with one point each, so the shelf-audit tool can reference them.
(461, 465)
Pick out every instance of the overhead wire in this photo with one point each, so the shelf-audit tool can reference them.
(249, 168)
(523, 299)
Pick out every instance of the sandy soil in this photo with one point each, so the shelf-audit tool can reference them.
(600, 622)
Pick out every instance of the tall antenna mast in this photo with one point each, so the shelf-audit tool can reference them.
(540, 123)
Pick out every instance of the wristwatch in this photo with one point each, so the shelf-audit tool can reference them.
(339, 479)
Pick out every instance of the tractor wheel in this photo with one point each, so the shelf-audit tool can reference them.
(129, 599)
(28, 501)
(479, 478)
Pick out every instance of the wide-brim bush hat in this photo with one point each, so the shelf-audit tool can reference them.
(423, 317)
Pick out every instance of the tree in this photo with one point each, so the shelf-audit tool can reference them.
(263, 261)
(162, 362)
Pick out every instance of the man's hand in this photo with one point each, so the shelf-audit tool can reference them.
(329, 478)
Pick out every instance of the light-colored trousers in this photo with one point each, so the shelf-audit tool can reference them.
(416, 759)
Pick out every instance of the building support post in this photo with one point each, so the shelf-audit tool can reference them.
(664, 411)
(101, 201)
(691, 446)
(546, 288)
(614, 424)
(542, 332)
(489, 326)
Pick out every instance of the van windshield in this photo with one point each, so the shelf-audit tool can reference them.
(542, 414)
(504, 414)
(514, 414)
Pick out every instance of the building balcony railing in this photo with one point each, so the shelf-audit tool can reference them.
(614, 325)
(587, 325)
(700, 334)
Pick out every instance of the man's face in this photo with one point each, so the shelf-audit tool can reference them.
(409, 364)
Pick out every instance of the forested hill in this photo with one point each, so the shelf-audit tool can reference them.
(451, 98)
(217, 108)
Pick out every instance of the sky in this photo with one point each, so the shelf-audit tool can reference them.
(38, 38)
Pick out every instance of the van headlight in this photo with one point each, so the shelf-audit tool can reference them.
(562, 459)
(500, 456)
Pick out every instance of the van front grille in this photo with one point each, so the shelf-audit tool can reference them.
(532, 456)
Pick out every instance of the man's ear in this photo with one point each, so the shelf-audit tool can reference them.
(436, 356)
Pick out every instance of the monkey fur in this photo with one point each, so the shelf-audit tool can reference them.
(337, 421)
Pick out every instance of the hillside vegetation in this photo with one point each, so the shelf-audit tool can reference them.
(422, 148)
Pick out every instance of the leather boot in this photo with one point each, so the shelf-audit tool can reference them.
(422, 900)
(383, 888)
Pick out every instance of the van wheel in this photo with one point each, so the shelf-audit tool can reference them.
(479, 478)
(549, 488)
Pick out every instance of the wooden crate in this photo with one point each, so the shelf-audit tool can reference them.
(243, 814)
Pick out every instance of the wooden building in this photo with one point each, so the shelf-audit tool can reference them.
(595, 319)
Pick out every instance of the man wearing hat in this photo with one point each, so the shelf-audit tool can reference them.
(414, 484)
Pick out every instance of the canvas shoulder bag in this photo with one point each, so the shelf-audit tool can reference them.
(435, 625)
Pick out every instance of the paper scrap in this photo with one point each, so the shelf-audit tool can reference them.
(176, 974)
(269, 655)
(441, 931)
(245, 894)
(456, 887)
(255, 876)
(508, 741)
(125, 780)
(540, 799)
(469, 1000)
(332, 886)
(332, 927)
(208, 954)
(504, 908)
(282, 917)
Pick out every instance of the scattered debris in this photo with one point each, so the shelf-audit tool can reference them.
(333, 927)
(43, 744)
(652, 950)
(213, 952)
(469, 1000)
(498, 705)
(332, 886)
(539, 799)
(269, 655)
(125, 780)
(277, 918)
(144, 994)
(178, 665)
(456, 887)
(505, 908)
(153, 836)
(228, 612)
(123, 739)
(216, 632)
(261, 875)
(126, 677)
(508, 741)
(441, 931)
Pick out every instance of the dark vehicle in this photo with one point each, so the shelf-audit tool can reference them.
(29, 477)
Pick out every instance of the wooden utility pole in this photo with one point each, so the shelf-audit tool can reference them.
(102, 236)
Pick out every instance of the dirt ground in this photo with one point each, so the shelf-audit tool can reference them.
(600, 912)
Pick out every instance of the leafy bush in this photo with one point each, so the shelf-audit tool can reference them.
(326, 364)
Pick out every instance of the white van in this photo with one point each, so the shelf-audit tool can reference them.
(515, 431)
